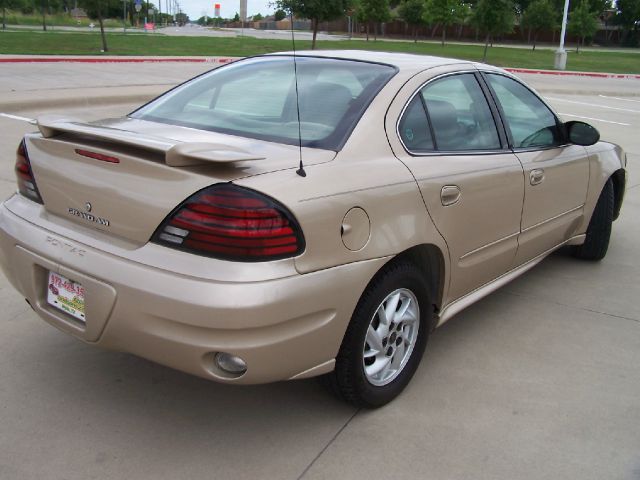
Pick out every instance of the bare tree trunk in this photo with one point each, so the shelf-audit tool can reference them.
(415, 34)
(486, 45)
(4, 17)
(434, 30)
(375, 31)
(444, 33)
(104, 37)
(44, 12)
(314, 23)
(368, 30)
(535, 38)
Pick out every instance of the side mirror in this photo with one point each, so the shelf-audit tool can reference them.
(582, 133)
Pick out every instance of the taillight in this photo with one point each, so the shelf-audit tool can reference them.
(232, 223)
(26, 182)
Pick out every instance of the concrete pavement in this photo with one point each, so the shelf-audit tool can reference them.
(540, 380)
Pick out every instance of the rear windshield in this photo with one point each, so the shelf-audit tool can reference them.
(256, 98)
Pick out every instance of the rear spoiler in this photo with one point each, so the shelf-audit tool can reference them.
(177, 154)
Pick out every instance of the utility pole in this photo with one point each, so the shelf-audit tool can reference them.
(561, 54)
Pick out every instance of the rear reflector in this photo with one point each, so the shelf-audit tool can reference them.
(26, 182)
(97, 156)
(232, 223)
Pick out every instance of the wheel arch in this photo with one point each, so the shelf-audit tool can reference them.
(430, 260)
(619, 179)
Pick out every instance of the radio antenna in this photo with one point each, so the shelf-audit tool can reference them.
(300, 170)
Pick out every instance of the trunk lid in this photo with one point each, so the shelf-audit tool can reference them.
(138, 171)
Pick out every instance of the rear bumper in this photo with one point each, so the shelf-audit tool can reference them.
(284, 325)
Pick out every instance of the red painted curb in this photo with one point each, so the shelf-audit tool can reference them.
(574, 74)
(114, 60)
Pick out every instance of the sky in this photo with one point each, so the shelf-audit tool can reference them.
(228, 8)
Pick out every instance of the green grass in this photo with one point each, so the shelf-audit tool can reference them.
(52, 21)
(47, 43)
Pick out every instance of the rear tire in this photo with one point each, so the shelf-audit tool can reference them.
(385, 339)
(596, 242)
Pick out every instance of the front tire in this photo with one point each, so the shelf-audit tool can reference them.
(385, 339)
(596, 243)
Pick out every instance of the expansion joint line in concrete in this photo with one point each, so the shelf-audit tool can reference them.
(337, 434)
(613, 315)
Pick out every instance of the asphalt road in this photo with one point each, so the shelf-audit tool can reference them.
(540, 380)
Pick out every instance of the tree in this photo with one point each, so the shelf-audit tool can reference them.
(628, 17)
(44, 6)
(373, 11)
(257, 17)
(463, 16)
(411, 11)
(279, 15)
(315, 10)
(582, 22)
(539, 16)
(493, 17)
(6, 4)
(442, 12)
(95, 9)
(236, 17)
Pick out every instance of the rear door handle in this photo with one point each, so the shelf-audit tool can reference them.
(536, 176)
(450, 195)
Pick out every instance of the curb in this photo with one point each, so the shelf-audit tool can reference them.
(223, 60)
(625, 76)
(217, 60)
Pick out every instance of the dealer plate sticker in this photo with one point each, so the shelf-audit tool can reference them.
(66, 295)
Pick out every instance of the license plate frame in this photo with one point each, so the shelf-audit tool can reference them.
(66, 295)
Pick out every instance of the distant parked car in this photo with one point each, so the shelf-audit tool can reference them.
(188, 233)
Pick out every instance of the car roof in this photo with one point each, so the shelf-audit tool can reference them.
(403, 61)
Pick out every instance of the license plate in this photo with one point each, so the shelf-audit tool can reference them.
(66, 295)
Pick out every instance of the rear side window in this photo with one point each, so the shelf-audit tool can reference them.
(457, 117)
(414, 128)
(528, 119)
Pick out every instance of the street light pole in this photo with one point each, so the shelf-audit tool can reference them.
(561, 54)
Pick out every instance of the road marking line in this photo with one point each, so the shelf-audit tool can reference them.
(16, 117)
(618, 98)
(596, 119)
(593, 105)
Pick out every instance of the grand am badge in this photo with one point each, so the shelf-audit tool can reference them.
(88, 216)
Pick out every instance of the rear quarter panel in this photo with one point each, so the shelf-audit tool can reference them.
(364, 174)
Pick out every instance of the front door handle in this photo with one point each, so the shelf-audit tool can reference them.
(536, 176)
(450, 195)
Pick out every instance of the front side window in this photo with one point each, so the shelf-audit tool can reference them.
(256, 98)
(527, 118)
